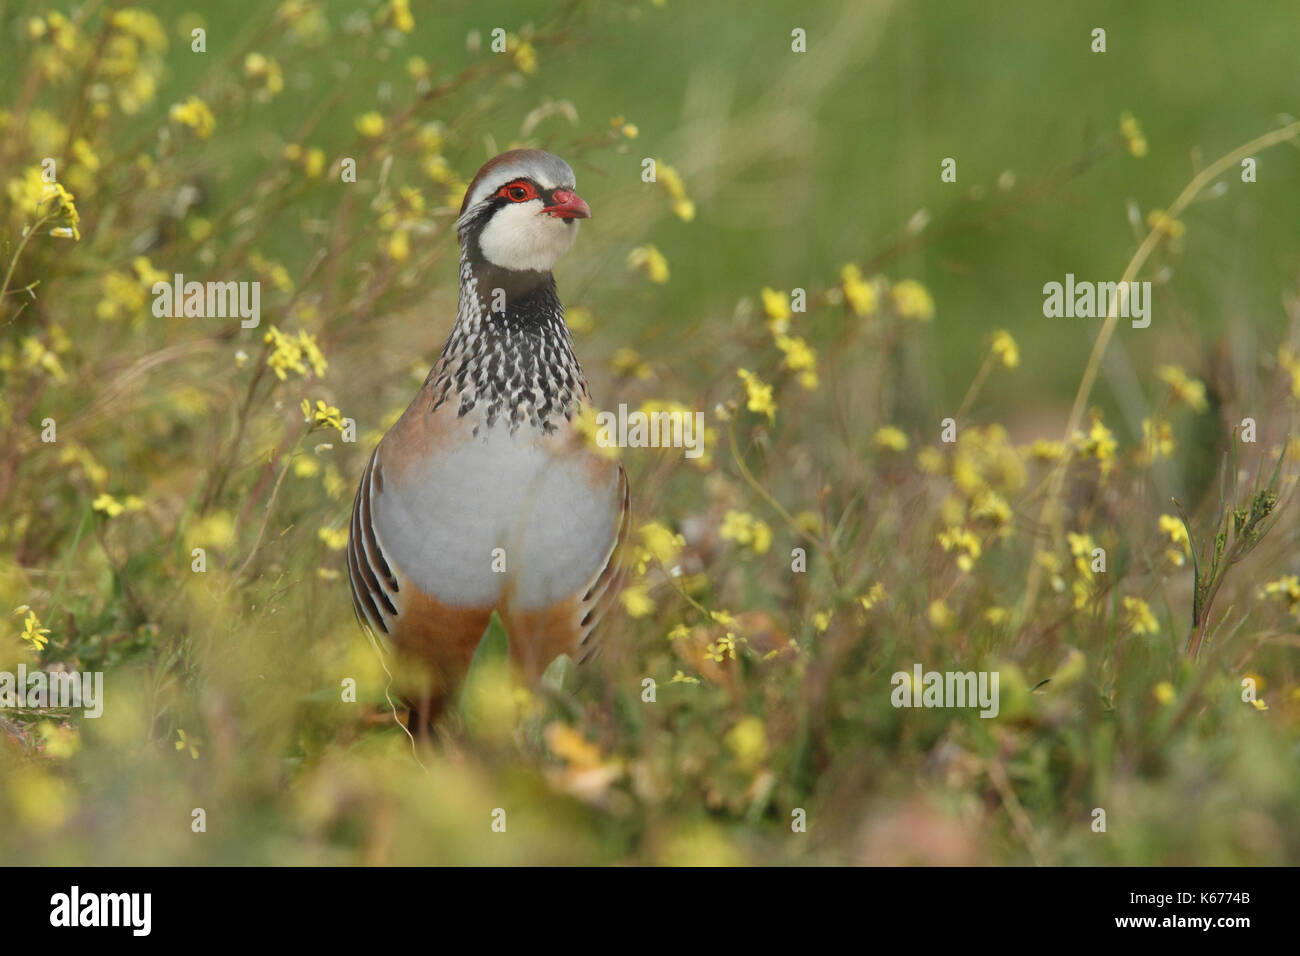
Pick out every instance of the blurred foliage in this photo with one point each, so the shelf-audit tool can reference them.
(777, 171)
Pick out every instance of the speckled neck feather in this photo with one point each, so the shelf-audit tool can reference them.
(517, 366)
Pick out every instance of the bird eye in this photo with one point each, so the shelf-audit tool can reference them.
(517, 193)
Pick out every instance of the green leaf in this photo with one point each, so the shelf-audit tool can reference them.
(559, 674)
(491, 658)
(494, 645)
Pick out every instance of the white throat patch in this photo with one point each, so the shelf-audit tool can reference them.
(521, 236)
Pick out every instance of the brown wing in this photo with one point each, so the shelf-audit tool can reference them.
(604, 590)
(375, 589)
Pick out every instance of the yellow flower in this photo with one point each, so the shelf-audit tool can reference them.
(991, 507)
(627, 361)
(60, 209)
(1081, 592)
(1165, 224)
(1175, 529)
(821, 620)
(913, 300)
(438, 169)
(143, 26)
(940, 617)
(195, 114)
(1099, 443)
(399, 15)
(294, 354)
(526, 57)
(112, 507)
(29, 191)
(399, 246)
(874, 596)
(370, 125)
(858, 293)
(306, 467)
(32, 632)
(260, 67)
(48, 202)
(274, 272)
(589, 429)
(1164, 693)
(59, 742)
(1138, 618)
(1184, 389)
(678, 632)
(662, 543)
(800, 358)
(216, 530)
(36, 354)
(147, 273)
(890, 438)
(722, 648)
(997, 616)
(776, 306)
(79, 455)
(748, 741)
(1289, 360)
(571, 746)
(1157, 439)
(810, 522)
(636, 599)
(1081, 547)
(931, 461)
(120, 294)
(1287, 588)
(624, 128)
(651, 261)
(322, 414)
(1132, 133)
(184, 742)
(1044, 450)
(1005, 348)
(333, 482)
(961, 539)
(744, 529)
(1180, 546)
(671, 180)
(336, 539)
(758, 395)
(85, 156)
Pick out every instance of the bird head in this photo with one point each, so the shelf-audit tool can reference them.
(521, 211)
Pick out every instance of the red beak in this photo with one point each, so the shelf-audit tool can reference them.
(568, 206)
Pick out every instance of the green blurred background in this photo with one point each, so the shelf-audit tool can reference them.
(799, 163)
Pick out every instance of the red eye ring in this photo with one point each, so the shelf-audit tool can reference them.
(521, 190)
